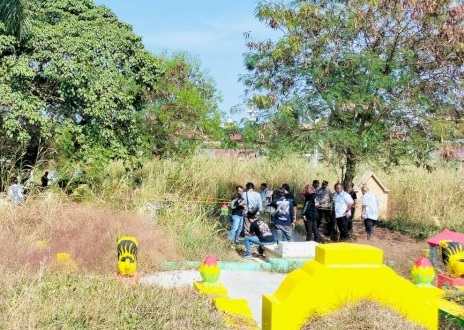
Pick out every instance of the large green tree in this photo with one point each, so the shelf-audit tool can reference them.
(81, 80)
(367, 74)
(182, 111)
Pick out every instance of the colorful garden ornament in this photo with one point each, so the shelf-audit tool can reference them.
(423, 272)
(453, 257)
(224, 210)
(209, 270)
(127, 255)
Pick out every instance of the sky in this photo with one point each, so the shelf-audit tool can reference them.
(210, 30)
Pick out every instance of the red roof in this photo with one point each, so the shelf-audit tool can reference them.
(446, 235)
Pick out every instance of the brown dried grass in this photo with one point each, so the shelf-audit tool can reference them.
(364, 315)
(87, 232)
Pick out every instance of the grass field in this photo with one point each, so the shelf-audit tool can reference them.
(171, 206)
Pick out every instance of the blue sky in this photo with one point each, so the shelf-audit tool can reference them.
(210, 30)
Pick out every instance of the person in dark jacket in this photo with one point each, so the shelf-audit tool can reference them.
(237, 206)
(260, 235)
(284, 216)
(310, 214)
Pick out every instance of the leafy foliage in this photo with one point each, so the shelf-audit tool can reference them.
(183, 108)
(12, 15)
(83, 82)
(367, 75)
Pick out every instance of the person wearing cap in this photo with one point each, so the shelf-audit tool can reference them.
(284, 217)
(342, 208)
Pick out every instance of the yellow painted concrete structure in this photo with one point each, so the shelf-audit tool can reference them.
(237, 312)
(127, 255)
(345, 273)
(211, 290)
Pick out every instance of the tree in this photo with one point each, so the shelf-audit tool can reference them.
(182, 111)
(82, 81)
(13, 16)
(371, 72)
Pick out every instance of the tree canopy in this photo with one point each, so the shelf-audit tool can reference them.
(82, 82)
(13, 16)
(368, 75)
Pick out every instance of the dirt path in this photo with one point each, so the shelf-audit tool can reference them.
(400, 251)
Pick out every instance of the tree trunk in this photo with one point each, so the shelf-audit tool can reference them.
(351, 164)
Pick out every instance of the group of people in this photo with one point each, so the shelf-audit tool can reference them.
(321, 206)
(17, 191)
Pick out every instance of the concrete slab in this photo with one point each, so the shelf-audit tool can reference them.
(293, 250)
(249, 285)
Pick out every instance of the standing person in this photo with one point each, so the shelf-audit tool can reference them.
(289, 196)
(370, 210)
(16, 191)
(44, 180)
(237, 205)
(342, 208)
(353, 208)
(253, 205)
(260, 234)
(266, 198)
(316, 185)
(284, 218)
(310, 215)
(324, 208)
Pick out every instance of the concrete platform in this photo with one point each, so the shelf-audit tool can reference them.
(249, 285)
(293, 250)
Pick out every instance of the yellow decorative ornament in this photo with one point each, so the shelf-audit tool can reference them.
(127, 255)
(453, 257)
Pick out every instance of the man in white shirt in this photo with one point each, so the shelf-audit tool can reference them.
(370, 210)
(342, 207)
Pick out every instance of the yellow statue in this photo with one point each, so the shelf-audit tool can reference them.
(453, 257)
(127, 255)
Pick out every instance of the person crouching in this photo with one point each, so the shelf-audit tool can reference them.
(260, 235)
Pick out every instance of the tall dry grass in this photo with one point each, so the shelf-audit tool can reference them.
(188, 193)
(78, 301)
(417, 197)
(425, 198)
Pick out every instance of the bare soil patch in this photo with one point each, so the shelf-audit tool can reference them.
(400, 251)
